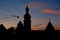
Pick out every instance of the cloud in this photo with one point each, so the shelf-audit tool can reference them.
(50, 11)
(15, 16)
(39, 27)
(34, 5)
(38, 24)
(35, 20)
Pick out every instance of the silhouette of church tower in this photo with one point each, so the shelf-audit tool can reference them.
(27, 20)
(19, 27)
(49, 26)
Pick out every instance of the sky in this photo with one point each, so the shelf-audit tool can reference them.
(40, 11)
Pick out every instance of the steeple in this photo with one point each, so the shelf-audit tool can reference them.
(27, 9)
(49, 26)
(27, 15)
(27, 20)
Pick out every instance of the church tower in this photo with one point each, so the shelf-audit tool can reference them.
(27, 20)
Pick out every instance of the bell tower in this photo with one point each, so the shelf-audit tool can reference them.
(27, 20)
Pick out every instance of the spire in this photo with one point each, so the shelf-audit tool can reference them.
(49, 27)
(27, 15)
(49, 19)
(27, 20)
(27, 8)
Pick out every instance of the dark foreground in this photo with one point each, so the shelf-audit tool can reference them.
(22, 35)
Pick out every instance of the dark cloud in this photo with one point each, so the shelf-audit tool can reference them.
(15, 16)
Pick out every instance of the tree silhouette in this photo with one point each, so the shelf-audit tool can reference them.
(2, 28)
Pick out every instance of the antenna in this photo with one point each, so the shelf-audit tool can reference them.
(27, 5)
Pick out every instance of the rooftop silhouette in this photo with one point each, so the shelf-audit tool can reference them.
(19, 27)
(49, 27)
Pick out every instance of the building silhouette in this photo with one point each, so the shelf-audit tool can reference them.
(49, 27)
(27, 20)
(2, 32)
(10, 30)
(26, 27)
(11, 34)
(19, 27)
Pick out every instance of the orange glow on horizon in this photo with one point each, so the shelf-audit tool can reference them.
(57, 28)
